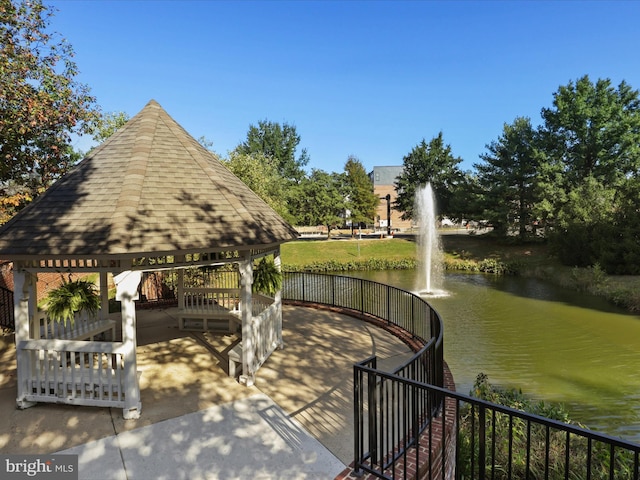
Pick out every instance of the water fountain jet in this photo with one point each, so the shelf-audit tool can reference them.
(430, 257)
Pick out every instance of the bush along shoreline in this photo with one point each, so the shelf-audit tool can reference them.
(374, 264)
(547, 448)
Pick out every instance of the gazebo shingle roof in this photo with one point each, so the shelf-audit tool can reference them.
(150, 188)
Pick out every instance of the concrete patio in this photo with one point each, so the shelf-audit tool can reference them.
(197, 422)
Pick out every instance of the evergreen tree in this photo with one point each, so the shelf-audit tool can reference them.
(593, 130)
(508, 177)
(428, 162)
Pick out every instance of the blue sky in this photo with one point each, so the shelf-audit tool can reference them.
(370, 79)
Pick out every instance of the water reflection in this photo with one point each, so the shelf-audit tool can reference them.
(554, 344)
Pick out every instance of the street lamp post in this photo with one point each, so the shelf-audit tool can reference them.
(388, 199)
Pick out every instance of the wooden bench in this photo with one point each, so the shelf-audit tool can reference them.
(203, 321)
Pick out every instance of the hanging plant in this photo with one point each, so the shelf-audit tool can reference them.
(70, 298)
(267, 278)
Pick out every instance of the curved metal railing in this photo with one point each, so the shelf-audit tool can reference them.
(406, 425)
(389, 417)
(393, 305)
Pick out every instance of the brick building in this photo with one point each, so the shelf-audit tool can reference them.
(383, 179)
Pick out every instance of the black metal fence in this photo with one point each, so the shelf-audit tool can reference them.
(6, 309)
(408, 426)
(388, 416)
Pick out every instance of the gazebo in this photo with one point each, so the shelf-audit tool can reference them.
(149, 198)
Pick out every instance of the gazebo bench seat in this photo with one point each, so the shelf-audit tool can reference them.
(219, 320)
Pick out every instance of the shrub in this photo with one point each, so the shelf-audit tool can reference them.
(507, 439)
(370, 264)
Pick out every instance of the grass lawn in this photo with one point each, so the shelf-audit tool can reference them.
(306, 252)
(467, 247)
(534, 259)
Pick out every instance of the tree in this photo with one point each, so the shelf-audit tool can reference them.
(622, 255)
(108, 124)
(592, 142)
(41, 103)
(280, 143)
(586, 214)
(319, 200)
(508, 177)
(260, 174)
(360, 199)
(428, 162)
(593, 131)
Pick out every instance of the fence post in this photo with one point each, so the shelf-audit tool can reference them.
(482, 441)
(357, 418)
(388, 305)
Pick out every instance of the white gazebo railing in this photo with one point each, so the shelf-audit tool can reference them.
(203, 309)
(83, 327)
(74, 372)
(70, 363)
(61, 362)
(266, 329)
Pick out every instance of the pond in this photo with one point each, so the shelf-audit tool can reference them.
(552, 343)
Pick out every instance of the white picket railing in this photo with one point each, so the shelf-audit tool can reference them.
(210, 301)
(77, 372)
(83, 327)
(266, 328)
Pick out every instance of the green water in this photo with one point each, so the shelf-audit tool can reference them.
(552, 343)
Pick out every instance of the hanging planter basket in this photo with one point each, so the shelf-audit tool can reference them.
(267, 278)
(72, 297)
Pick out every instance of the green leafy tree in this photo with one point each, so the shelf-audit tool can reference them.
(319, 200)
(508, 177)
(280, 143)
(360, 199)
(428, 162)
(586, 216)
(260, 174)
(41, 102)
(620, 251)
(108, 124)
(592, 141)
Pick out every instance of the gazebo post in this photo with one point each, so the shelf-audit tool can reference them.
(126, 293)
(104, 296)
(277, 260)
(181, 288)
(22, 305)
(246, 313)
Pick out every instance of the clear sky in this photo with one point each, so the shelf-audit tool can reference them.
(370, 79)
